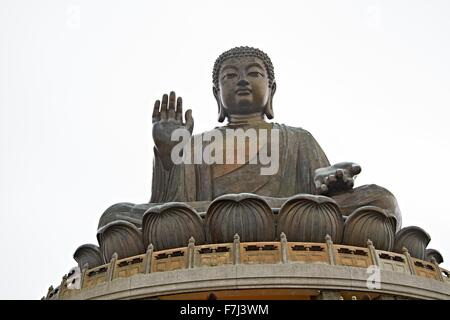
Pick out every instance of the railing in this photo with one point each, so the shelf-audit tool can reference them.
(169, 260)
(352, 256)
(393, 261)
(95, 276)
(307, 252)
(213, 255)
(128, 267)
(222, 254)
(445, 275)
(260, 252)
(426, 269)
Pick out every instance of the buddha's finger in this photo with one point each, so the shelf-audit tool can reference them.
(155, 115)
(332, 178)
(355, 169)
(318, 184)
(164, 102)
(350, 183)
(171, 108)
(189, 120)
(339, 173)
(179, 112)
(164, 108)
(318, 179)
(345, 177)
(326, 180)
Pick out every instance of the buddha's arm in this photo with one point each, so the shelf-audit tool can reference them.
(168, 183)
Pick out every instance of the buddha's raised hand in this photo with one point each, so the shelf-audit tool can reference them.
(168, 117)
(336, 178)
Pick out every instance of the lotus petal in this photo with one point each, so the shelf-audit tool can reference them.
(414, 239)
(370, 223)
(245, 214)
(171, 225)
(309, 218)
(433, 253)
(88, 254)
(121, 237)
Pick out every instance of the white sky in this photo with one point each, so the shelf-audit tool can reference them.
(369, 79)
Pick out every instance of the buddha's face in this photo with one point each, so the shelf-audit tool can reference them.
(243, 86)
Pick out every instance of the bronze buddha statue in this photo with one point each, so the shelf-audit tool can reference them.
(244, 86)
(218, 202)
(208, 189)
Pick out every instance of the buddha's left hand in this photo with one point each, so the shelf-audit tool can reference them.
(337, 178)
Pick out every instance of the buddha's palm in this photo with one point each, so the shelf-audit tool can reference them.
(336, 178)
(168, 117)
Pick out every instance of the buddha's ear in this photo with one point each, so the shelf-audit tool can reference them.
(268, 111)
(222, 115)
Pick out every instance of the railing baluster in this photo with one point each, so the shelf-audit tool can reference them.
(84, 271)
(330, 250)
(440, 277)
(236, 249)
(148, 259)
(190, 253)
(284, 248)
(409, 261)
(111, 266)
(373, 253)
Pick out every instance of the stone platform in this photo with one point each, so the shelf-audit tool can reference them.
(261, 270)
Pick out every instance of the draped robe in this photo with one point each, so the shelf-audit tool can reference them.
(299, 156)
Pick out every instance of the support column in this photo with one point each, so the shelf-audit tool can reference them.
(84, 271)
(409, 261)
(330, 250)
(236, 249)
(148, 259)
(191, 253)
(111, 266)
(62, 286)
(284, 249)
(439, 275)
(373, 253)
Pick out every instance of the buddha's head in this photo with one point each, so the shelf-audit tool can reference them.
(244, 83)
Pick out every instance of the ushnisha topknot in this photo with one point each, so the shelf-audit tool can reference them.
(243, 52)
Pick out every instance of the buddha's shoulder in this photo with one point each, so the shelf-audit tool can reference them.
(285, 129)
(292, 130)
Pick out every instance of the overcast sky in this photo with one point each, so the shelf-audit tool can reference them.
(78, 79)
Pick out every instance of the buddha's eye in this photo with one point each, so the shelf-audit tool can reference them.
(229, 76)
(255, 74)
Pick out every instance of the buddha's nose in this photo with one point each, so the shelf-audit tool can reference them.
(243, 82)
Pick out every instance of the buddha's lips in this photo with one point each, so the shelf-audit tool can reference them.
(243, 91)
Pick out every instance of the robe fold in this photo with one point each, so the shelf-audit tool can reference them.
(299, 156)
